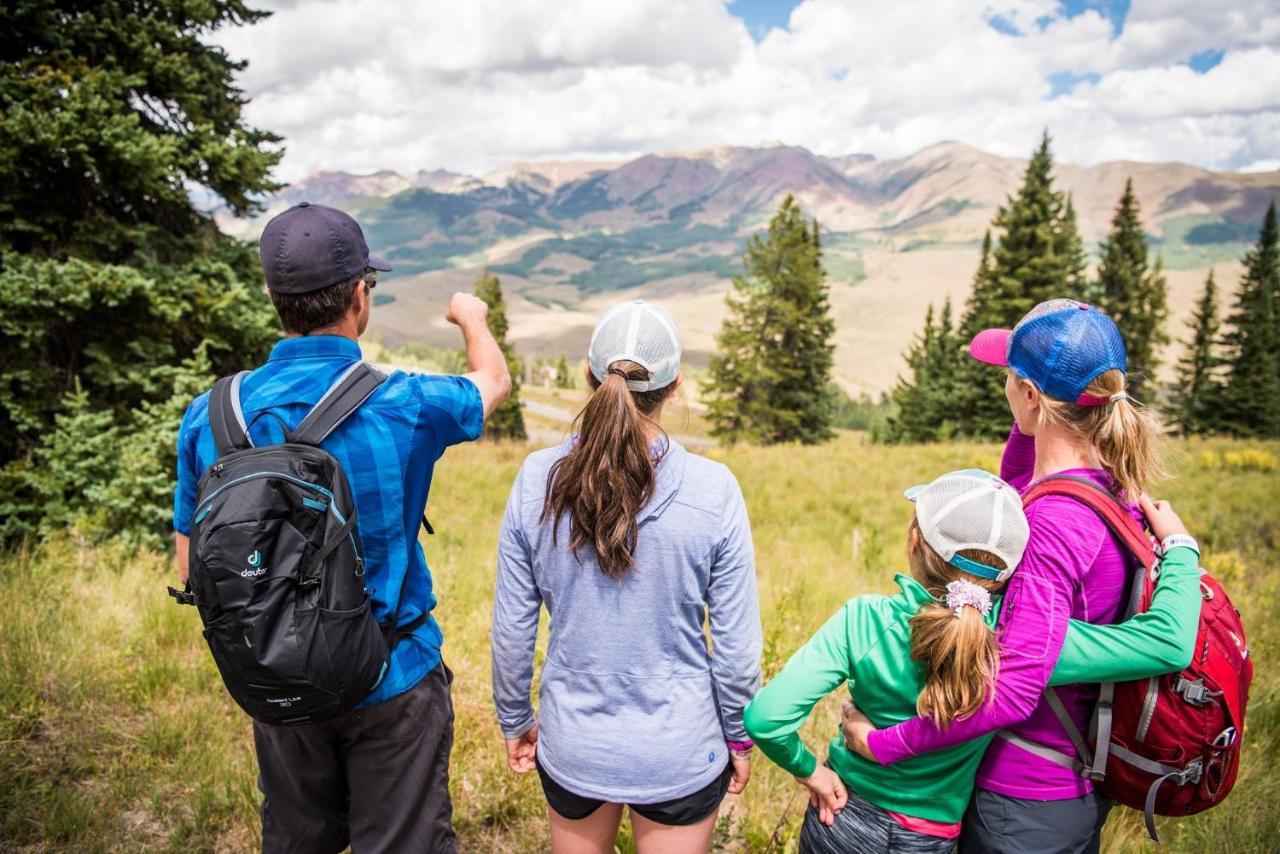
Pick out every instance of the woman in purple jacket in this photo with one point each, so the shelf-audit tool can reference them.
(1066, 387)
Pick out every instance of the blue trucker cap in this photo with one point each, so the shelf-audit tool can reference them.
(1061, 345)
(309, 247)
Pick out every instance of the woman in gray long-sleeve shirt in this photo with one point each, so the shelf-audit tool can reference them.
(629, 541)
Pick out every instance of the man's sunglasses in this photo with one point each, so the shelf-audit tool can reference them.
(370, 278)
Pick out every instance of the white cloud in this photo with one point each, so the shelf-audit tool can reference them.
(469, 86)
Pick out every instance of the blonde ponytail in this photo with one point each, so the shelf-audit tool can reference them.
(1125, 437)
(957, 649)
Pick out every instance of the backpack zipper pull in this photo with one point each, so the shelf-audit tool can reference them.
(217, 469)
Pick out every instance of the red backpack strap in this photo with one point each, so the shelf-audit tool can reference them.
(1135, 540)
(1105, 504)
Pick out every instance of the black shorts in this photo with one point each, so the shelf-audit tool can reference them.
(687, 810)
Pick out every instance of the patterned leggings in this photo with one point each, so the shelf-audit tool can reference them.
(863, 828)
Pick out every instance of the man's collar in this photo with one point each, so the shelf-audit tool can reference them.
(315, 346)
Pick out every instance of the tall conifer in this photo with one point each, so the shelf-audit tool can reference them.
(1193, 394)
(769, 381)
(507, 421)
(1133, 293)
(926, 403)
(980, 409)
(1038, 255)
(1250, 401)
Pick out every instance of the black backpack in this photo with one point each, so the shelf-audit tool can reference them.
(276, 568)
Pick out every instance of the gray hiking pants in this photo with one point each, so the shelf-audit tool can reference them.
(995, 823)
(376, 779)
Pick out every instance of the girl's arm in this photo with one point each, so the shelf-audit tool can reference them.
(1034, 618)
(733, 615)
(776, 714)
(1162, 640)
(515, 623)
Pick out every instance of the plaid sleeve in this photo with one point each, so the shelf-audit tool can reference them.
(184, 496)
(454, 406)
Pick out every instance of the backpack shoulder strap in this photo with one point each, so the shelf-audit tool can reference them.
(1106, 505)
(338, 403)
(226, 418)
(1136, 542)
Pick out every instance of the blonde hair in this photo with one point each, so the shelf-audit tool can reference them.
(1125, 437)
(958, 650)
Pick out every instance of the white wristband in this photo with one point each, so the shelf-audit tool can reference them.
(1174, 541)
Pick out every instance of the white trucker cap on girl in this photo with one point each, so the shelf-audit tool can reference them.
(972, 509)
(639, 332)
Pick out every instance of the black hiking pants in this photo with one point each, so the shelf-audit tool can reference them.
(376, 779)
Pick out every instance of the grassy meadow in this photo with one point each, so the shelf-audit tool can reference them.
(116, 734)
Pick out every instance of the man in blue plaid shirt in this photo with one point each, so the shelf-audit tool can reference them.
(375, 778)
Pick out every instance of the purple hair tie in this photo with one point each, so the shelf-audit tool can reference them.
(961, 593)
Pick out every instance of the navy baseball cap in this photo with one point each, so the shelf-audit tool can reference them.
(309, 247)
(1061, 345)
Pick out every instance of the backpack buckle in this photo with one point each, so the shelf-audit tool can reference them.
(1195, 692)
(183, 597)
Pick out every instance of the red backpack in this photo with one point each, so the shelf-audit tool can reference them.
(1170, 744)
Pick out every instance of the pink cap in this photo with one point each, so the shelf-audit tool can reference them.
(991, 346)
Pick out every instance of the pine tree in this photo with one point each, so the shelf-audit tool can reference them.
(1039, 255)
(564, 377)
(1250, 401)
(1133, 294)
(980, 409)
(507, 421)
(769, 381)
(1193, 395)
(115, 115)
(926, 402)
(1077, 259)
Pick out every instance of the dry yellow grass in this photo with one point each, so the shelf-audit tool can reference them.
(116, 734)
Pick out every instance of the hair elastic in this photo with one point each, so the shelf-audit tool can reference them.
(1118, 396)
(618, 372)
(961, 593)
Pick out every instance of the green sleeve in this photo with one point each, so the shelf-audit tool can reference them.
(774, 717)
(1161, 640)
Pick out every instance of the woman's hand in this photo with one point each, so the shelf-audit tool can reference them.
(826, 793)
(856, 727)
(521, 751)
(1160, 516)
(741, 771)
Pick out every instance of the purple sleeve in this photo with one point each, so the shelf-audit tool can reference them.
(1065, 539)
(1019, 460)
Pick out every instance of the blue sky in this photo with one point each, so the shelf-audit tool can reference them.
(760, 16)
(472, 86)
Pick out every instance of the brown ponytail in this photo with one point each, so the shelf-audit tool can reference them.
(958, 651)
(607, 477)
(1125, 437)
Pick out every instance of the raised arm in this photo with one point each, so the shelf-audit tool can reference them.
(516, 603)
(1019, 459)
(486, 365)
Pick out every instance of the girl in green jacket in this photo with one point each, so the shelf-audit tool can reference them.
(931, 650)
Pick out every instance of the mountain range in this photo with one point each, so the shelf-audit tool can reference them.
(570, 237)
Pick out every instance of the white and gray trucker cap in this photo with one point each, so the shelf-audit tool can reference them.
(639, 332)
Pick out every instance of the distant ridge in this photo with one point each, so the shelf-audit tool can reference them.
(569, 236)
